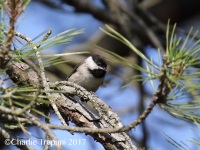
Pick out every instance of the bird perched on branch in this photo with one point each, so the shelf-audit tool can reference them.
(89, 74)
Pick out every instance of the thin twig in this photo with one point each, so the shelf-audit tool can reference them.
(109, 116)
(9, 138)
(42, 72)
(33, 102)
(37, 93)
(15, 8)
(34, 120)
(47, 137)
(89, 7)
(150, 33)
(44, 127)
(44, 79)
(8, 94)
(45, 37)
(111, 130)
(11, 118)
(156, 98)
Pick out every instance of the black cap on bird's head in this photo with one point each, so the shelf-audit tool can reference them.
(99, 61)
(89, 73)
(96, 66)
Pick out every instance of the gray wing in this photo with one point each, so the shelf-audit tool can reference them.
(75, 69)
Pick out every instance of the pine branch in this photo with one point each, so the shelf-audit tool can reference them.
(24, 75)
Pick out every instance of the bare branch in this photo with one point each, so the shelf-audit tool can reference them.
(33, 120)
(8, 138)
(42, 72)
(88, 7)
(70, 110)
(158, 97)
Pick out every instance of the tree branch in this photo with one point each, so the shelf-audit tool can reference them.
(72, 111)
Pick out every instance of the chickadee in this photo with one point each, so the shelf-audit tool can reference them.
(89, 73)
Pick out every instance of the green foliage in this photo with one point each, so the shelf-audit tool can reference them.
(178, 145)
(14, 95)
(181, 64)
(111, 32)
(182, 54)
(182, 77)
(65, 37)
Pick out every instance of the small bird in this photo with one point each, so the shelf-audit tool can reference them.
(89, 73)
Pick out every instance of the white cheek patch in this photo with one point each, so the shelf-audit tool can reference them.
(90, 63)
